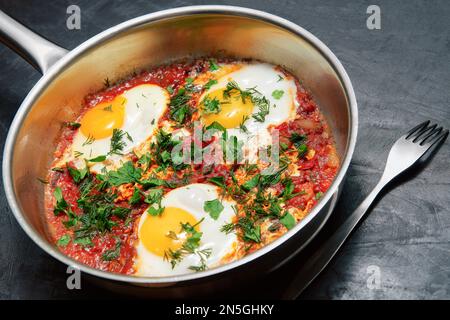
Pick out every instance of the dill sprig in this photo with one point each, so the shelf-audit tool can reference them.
(117, 143)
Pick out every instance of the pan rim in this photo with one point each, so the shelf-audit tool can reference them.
(102, 37)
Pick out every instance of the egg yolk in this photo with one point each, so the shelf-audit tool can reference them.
(156, 233)
(100, 121)
(233, 109)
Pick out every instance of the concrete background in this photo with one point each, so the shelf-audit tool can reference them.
(401, 77)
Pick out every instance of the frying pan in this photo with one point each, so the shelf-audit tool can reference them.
(143, 42)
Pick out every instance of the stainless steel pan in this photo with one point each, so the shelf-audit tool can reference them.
(147, 41)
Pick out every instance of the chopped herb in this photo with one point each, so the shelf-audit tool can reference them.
(213, 66)
(73, 125)
(210, 83)
(280, 78)
(155, 211)
(129, 136)
(213, 207)
(136, 197)
(98, 159)
(152, 182)
(249, 168)
(288, 221)
(77, 154)
(297, 139)
(108, 108)
(179, 106)
(228, 228)
(218, 127)
(170, 89)
(78, 175)
(189, 246)
(125, 174)
(218, 181)
(89, 140)
(302, 150)
(210, 106)
(58, 169)
(117, 143)
(299, 142)
(271, 179)
(277, 94)
(63, 241)
(251, 232)
(84, 241)
(263, 108)
(106, 83)
(112, 254)
(153, 198)
(61, 204)
(189, 80)
(145, 160)
(242, 126)
(252, 183)
(162, 150)
(319, 195)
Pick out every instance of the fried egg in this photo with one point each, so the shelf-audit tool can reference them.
(136, 112)
(239, 114)
(157, 235)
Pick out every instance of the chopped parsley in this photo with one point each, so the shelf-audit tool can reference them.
(128, 173)
(299, 141)
(179, 106)
(210, 83)
(214, 208)
(277, 94)
(78, 174)
(136, 198)
(213, 66)
(154, 198)
(113, 253)
(63, 241)
(73, 125)
(210, 106)
(98, 159)
(288, 221)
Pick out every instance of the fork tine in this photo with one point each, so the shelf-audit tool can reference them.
(441, 136)
(425, 133)
(428, 135)
(416, 129)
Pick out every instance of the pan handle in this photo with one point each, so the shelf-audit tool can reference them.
(35, 49)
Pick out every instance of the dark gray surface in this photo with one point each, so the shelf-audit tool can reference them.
(401, 77)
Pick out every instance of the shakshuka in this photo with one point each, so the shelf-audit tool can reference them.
(186, 167)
